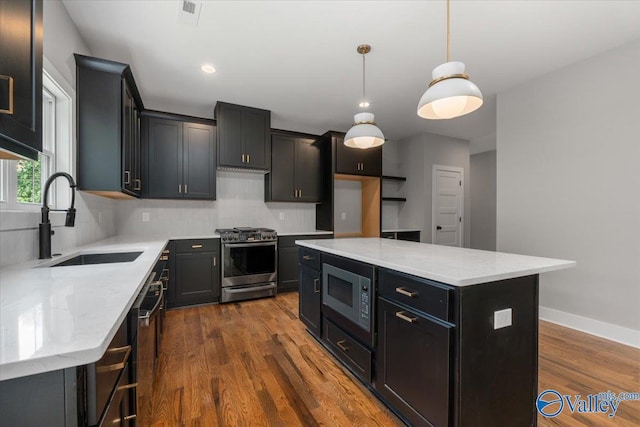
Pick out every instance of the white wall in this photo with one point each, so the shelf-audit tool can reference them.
(568, 182)
(95, 217)
(240, 202)
(416, 156)
(483, 200)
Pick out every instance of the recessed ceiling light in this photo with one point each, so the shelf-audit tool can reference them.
(208, 69)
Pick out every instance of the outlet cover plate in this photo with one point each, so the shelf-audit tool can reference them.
(502, 318)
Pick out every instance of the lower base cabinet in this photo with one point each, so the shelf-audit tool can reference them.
(413, 371)
(194, 272)
(288, 260)
(310, 299)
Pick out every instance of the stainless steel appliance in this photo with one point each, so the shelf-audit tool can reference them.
(147, 314)
(249, 263)
(348, 296)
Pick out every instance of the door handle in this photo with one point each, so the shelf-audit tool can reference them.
(403, 316)
(341, 345)
(316, 287)
(8, 107)
(438, 227)
(404, 291)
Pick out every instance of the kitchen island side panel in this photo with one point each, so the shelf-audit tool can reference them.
(497, 369)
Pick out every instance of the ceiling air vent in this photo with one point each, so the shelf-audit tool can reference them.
(189, 7)
(189, 12)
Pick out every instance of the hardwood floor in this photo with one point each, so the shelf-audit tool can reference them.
(253, 364)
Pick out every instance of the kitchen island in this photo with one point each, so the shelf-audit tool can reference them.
(444, 336)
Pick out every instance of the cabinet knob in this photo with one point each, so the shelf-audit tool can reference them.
(7, 82)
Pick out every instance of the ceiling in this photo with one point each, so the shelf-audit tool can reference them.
(298, 58)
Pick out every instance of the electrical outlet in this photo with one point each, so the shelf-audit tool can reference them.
(343, 216)
(502, 318)
(281, 216)
(145, 217)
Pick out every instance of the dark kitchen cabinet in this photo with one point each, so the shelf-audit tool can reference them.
(310, 299)
(243, 136)
(20, 79)
(109, 105)
(288, 260)
(194, 272)
(356, 161)
(180, 157)
(296, 170)
(409, 235)
(419, 390)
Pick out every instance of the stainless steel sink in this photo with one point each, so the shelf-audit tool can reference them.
(104, 258)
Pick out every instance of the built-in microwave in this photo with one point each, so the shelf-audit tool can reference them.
(348, 296)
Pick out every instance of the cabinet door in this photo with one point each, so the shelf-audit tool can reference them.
(199, 162)
(164, 158)
(371, 160)
(256, 126)
(195, 278)
(308, 173)
(287, 269)
(347, 159)
(413, 371)
(137, 154)
(127, 139)
(282, 172)
(21, 77)
(230, 135)
(310, 299)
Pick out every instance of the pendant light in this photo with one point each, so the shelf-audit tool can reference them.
(450, 93)
(364, 133)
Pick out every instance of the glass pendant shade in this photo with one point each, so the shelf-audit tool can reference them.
(364, 133)
(450, 94)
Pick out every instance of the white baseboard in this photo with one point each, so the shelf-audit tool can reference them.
(605, 330)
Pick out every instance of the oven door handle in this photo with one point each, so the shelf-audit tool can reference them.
(246, 245)
(246, 289)
(145, 319)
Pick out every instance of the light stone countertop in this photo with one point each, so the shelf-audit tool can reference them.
(60, 317)
(451, 265)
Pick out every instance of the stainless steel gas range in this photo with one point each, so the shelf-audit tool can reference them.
(249, 263)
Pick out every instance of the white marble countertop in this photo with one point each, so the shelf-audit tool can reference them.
(304, 233)
(60, 317)
(446, 264)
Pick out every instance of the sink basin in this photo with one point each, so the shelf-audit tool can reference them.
(86, 259)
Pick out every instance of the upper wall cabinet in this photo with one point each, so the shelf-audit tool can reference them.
(20, 79)
(109, 106)
(179, 156)
(356, 161)
(243, 137)
(296, 170)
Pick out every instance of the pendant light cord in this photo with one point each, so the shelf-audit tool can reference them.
(448, 32)
(364, 98)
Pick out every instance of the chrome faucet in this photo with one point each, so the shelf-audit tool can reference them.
(45, 231)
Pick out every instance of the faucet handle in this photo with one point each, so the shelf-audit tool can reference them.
(71, 218)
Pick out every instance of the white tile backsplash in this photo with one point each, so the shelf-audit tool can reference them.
(240, 202)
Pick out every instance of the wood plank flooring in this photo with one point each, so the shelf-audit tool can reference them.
(253, 364)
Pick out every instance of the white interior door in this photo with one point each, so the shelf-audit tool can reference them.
(447, 205)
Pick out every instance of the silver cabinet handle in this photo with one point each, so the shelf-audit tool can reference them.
(248, 158)
(404, 291)
(243, 159)
(403, 316)
(316, 286)
(127, 177)
(342, 346)
(196, 246)
(186, 189)
(179, 188)
(138, 185)
(9, 105)
(300, 193)
(215, 262)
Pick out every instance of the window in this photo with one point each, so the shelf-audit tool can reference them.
(22, 181)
